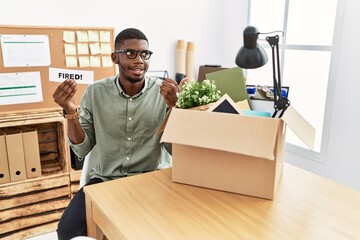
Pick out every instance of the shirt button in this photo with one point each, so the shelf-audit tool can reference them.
(127, 158)
(129, 118)
(129, 139)
(130, 99)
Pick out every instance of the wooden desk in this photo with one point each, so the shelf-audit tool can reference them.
(151, 206)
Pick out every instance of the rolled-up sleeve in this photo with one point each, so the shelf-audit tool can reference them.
(86, 122)
(81, 149)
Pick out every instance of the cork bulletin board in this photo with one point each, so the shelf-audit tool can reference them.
(83, 53)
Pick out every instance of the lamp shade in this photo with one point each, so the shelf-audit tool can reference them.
(251, 55)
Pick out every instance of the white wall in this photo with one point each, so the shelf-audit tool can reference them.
(215, 26)
(164, 22)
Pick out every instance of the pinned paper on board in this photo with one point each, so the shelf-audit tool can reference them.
(25, 50)
(105, 36)
(71, 61)
(93, 36)
(94, 48)
(83, 48)
(82, 36)
(21, 87)
(70, 49)
(69, 36)
(84, 61)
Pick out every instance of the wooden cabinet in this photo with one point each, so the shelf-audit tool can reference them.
(34, 206)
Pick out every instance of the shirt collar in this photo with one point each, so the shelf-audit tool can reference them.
(117, 83)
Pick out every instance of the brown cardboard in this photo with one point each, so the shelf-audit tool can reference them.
(223, 132)
(163, 124)
(32, 154)
(228, 152)
(4, 165)
(300, 126)
(15, 150)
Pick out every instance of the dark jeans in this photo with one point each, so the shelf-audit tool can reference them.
(73, 220)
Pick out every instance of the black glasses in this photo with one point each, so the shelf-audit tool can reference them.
(132, 54)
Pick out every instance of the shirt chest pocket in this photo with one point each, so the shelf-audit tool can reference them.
(147, 125)
(149, 119)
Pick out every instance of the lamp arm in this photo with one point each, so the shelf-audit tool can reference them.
(280, 103)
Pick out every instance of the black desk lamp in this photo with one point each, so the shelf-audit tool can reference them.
(252, 55)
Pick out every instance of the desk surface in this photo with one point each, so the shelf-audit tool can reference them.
(151, 206)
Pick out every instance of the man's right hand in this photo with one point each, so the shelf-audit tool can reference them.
(64, 95)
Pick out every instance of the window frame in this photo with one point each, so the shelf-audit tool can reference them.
(334, 49)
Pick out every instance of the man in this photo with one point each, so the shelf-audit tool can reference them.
(120, 116)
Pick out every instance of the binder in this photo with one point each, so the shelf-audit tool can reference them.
(16, 159)
(32, 154)
(4, 165)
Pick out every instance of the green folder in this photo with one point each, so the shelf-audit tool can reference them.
(230, 81)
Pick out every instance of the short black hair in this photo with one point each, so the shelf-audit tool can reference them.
(129, 33)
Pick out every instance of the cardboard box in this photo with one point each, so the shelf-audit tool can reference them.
(230, 152)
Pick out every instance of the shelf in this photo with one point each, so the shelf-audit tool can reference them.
(36, 204)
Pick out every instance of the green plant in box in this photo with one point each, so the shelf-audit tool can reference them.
(196, 93)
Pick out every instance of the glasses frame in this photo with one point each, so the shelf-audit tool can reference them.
(126, 51)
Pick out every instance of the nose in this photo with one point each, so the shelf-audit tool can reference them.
(138, 58)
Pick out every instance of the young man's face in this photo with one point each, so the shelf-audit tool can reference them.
(132, 65)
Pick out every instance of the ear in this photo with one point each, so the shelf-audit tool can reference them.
(114, 58)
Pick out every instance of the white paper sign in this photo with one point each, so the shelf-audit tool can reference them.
(24, 87)
(81, 77)
(25, 50)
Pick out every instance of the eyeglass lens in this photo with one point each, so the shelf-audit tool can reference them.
(132, 54)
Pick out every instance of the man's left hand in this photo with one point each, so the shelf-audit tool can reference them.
(168, 90)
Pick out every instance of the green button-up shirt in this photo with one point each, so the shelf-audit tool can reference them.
(123, 129)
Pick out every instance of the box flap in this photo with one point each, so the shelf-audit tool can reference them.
(302, 128)
(251, 136)
(163, 124)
